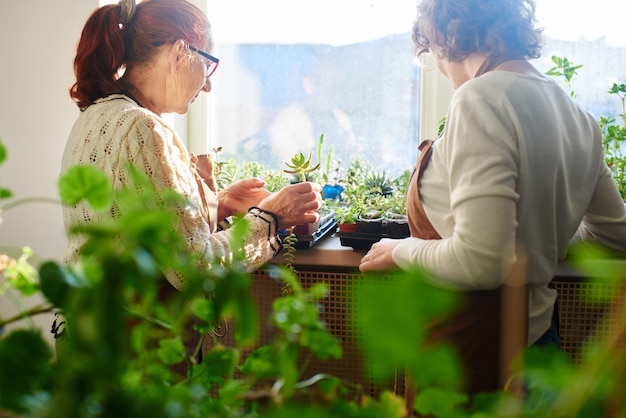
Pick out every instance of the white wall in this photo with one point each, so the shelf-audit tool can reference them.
(37, 45)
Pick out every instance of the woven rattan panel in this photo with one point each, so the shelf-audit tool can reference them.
(336, 311)
(584, 321)
(581, 322)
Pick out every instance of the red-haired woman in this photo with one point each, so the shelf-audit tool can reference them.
(135, 62)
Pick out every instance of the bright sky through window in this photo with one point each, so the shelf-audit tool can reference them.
(347, 21)
(573, 21)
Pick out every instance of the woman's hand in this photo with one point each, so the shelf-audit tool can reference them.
(379, 257)
(240, 196)
(295, 204)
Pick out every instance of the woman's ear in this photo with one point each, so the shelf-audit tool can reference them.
(177, 53)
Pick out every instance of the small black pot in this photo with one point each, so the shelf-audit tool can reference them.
(372, 226)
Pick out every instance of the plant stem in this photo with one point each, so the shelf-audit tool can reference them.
(26, 200)
(35, 310)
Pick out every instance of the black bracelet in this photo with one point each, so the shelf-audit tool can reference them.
(274, 217)
(258, 213)
(223, 225)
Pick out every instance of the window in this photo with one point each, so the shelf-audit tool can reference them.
(593, 37)
(291, 71)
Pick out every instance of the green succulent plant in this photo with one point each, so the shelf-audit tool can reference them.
(300, 166)
(378, 182)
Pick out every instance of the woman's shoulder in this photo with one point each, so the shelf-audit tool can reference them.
(124, 111)
(497, 90)
(498, 83)
(120, 104)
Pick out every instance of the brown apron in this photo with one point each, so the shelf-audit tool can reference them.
(474, 327)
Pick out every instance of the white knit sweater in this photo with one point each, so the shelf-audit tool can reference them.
(116, 130)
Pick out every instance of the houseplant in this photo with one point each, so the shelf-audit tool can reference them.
(348, 218)
(106, 369)
(377, 200)
(613, 128)
(329, 178)
(301, 167)
(378, 183)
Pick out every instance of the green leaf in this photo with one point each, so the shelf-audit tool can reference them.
(172, 350)
(439, 402)
(5, 193)
(23, 276)
(217, 364)
(322, 344)
(391, 405)
(3, 152)
(436, 366)
(233, 296)
(393, 316)
(545, 367)
(261, 364)
(56, 282)
(203, 309)
(25, 368)
(86, 183)
(318, 291)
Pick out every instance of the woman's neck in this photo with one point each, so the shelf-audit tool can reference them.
(139, 90)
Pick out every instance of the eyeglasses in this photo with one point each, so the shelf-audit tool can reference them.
(213, 62)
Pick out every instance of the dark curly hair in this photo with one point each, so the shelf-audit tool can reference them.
(504, 28)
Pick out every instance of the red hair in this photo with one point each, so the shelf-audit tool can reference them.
(106, 46)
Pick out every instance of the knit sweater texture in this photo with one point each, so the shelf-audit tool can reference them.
(115, 131)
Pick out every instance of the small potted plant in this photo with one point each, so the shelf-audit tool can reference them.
(378, 183)
(396, 221)
(397, 225)
(331, 189)
(348, 219)
(301, 166)
(372, 222)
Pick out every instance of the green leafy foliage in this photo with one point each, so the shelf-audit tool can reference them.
(614, 139)
(378, 182)
(289, 254)
(21, 275)
(565, 68)
(367, 191)
(439, 402)
(26, 369)
(613, 129)
(117, 356)
(86, 182)
(394, 327)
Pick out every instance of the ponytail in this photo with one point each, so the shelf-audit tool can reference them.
(99, 57)
(117, 37)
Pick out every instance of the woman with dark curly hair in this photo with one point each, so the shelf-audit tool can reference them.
(517, 172)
